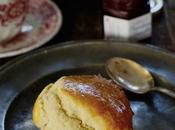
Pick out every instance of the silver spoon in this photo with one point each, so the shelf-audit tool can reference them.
(133, 77)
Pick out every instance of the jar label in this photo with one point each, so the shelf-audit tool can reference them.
(121, 29)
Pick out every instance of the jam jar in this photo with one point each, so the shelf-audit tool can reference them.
(127, 20)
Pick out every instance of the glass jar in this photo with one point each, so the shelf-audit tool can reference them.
(127, 19)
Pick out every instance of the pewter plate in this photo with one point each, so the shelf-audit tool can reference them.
(21, 80)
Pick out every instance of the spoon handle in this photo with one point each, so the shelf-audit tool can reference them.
(166, 91)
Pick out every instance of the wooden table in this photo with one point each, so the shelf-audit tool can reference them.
(82, 20)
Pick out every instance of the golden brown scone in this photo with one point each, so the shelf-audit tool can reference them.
(82, 103)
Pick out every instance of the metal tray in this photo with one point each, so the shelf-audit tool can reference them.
(21, 80)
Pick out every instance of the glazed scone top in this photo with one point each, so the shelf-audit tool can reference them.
(106, 97)
(82, 103)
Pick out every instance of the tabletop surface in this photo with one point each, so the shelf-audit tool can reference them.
(82, 20)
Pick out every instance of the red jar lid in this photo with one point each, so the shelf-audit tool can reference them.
(126, 9)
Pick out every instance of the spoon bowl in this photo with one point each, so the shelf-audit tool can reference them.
(132, 76)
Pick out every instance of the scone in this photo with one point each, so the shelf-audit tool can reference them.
(82, 103)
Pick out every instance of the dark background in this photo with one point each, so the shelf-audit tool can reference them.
(83, 19)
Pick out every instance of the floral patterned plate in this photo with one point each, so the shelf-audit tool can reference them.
(43, 22)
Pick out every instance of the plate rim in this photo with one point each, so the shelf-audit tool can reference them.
(82, 42)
